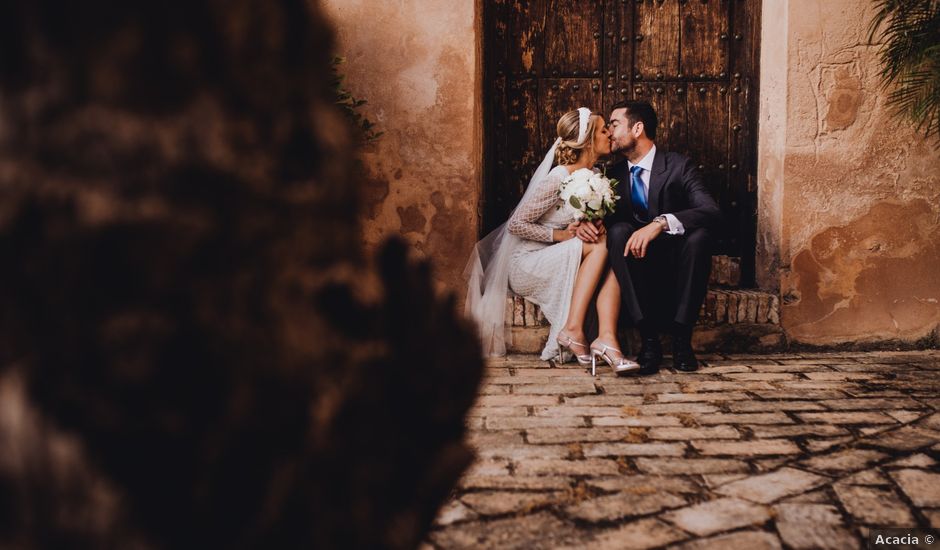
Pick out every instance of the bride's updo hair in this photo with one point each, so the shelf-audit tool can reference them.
(570, 149)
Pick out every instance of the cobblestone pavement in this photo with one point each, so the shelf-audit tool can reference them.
(771, 451)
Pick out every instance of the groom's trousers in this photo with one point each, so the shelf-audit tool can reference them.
(669, 284)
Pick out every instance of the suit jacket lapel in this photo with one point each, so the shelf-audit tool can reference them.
(657, 180)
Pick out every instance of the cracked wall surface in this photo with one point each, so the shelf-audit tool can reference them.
(850, 196)
(416, 62)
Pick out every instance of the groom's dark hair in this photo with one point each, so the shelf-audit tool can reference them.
(640, 111)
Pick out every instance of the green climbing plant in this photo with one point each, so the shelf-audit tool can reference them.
(350, 104)
(909, 34)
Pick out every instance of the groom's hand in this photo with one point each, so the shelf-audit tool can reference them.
(589, 232)
(641, 238)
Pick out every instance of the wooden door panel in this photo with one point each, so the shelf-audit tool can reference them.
(670, 105)
(524, 147)
(613, 83)
(708, 124)
(624, 42)
(573, 38)
(744, 40)
(499, 171)
(526, 19)
(704, 39)
(657, 39)
(618, 91)
(708, 138)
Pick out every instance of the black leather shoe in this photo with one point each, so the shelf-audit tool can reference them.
(649, 369)
(683, 358)
(651, 356)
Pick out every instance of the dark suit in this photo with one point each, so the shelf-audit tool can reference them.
(670, 283)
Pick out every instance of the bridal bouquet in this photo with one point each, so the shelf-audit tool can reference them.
(589, 194)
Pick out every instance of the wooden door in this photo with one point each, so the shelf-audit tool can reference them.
(696, 61)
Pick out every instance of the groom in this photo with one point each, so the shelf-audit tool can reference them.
(658, 237)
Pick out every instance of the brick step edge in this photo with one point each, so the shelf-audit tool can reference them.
(726, 271)
(738, 338)
(721, 307)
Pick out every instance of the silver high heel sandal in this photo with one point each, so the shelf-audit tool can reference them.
(582, 359)
(621, 364)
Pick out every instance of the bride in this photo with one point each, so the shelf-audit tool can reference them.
(536, 255)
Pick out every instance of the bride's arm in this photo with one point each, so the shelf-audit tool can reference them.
(524, 221)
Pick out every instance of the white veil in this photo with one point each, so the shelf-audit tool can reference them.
(487, 271)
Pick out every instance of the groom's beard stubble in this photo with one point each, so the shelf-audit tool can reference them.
(625, 151)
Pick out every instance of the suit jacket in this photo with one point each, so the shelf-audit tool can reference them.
(676, 188)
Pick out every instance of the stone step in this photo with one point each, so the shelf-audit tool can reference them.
(731, 320)
(722, 306)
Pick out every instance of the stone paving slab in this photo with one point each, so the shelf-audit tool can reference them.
(763, 451)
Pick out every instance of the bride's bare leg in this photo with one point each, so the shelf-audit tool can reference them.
(608, 309)
(593, 264)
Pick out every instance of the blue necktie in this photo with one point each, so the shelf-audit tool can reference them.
(638, 192)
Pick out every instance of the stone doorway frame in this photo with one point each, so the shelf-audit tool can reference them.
(771, 144)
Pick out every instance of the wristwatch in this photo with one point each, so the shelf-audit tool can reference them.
(663, 221)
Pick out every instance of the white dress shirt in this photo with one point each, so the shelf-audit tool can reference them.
(646, 163)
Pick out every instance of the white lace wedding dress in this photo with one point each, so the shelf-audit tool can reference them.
(541, 271)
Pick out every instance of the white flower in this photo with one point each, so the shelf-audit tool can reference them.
(585, 174)
(587, 194)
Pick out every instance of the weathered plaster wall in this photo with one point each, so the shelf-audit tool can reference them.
(771, 142)
(417, 63)
(849, 196)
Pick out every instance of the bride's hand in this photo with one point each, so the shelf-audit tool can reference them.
(590, 232)
(573, 229)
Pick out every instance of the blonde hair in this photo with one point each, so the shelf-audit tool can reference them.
(570, 149)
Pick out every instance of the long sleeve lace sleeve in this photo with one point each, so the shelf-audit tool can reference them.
(524, 221)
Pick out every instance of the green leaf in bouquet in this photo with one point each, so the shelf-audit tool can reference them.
(575, 202)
